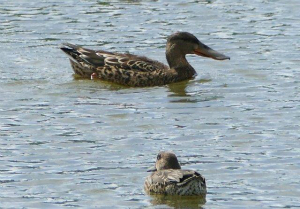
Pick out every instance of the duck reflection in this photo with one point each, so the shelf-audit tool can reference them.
(179, 89)
(179, 201)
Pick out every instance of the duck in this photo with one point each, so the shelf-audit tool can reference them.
(139, 71)
(168, 178)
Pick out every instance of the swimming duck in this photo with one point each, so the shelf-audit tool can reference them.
(138, 71)
(168, 178)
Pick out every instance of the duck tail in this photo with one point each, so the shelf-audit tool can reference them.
(72, 51)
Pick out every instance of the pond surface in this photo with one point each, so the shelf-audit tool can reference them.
(69, 142)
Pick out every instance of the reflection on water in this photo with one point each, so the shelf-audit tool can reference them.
(100, 84)
(179, 92)
(179, 201)
(179, 89)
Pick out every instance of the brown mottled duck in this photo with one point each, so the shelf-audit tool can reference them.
(132, 70)
(169, 179)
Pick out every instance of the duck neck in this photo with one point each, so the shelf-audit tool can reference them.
(178, 62)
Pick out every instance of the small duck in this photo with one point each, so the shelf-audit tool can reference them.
(169, 179)
(138, 71)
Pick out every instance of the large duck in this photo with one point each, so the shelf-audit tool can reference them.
(132, 70)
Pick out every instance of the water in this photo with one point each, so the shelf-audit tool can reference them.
(67, 142)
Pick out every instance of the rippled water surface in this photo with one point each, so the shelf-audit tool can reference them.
(80, 143)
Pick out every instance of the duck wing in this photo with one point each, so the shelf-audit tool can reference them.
(175, 176)
(102, 59)
(180, 182)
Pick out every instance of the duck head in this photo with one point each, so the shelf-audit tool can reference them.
(181, 43)
(165, 160)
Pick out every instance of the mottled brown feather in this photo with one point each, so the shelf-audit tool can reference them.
(174, 181)
(131, 70)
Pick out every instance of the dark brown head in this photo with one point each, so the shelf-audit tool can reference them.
(182, 43)
(166, 160)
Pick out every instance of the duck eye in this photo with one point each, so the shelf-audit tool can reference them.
(158, 156)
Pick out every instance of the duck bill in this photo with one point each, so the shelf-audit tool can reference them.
(152, 169)
(206, 51)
